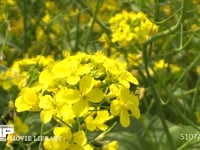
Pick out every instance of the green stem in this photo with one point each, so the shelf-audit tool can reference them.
(4, 45)
(168, 31)
(156, 96)
(156, 9)
(101, 24)
(92, 25)
(183, 74)
(146, 57)
(184, 118)
(41, 133)
(194, 99)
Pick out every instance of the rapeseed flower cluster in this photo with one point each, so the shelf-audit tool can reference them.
(129, 28)
(81, 93)
(23, 71)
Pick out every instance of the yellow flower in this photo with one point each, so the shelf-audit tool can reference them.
(160, 64)
(47, 18)
(9, 140)
(48, 105)
(174, 68)
(62, 137)
(125, 78)
(28, 100)
(71, 69)
(111, 146)
(98, 122)
(69, 141)
(19, 126)
(87, 93)
(129, 28)
(123, 104)
(55, 106)
(45, 77)
(78, 141)
(197, 114)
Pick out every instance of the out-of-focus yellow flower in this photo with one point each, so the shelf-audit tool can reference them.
(194, 26)
(198, 70)
(197, 117)
(128, 28)
(16, 26)
(111, 146)
(160, 64)
(174, 68)
(123, 104)
(166, 9)
(2, 16)
(11, 105)
(9, 140)
(19, 126)
(40, 35)
(46, 19)
(50, 5)
(9, 2)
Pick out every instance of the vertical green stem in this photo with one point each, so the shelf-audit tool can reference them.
(4, 46)
(92, 25)
(156, 95)
(41, 133)
(194, 99)
(156, 10)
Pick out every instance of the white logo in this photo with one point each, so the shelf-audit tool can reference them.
(5, 130)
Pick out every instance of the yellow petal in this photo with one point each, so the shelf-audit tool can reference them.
(88, 147)
(73, 80)
(129, 77)
(125, 96)
(84, 69)
(80, 108)
(46, 115)
(60, 69)
(115, 107)
(63, 131)
(90, 123)
(21, 105)
(124, 118)
(80, 138)
(45, 77)
(135, 111)
(46, 102)
(102, 116)
(75, 147)
(95, 95)
(29, 95)
(102, 127)
(86, 84)
(71, 96)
